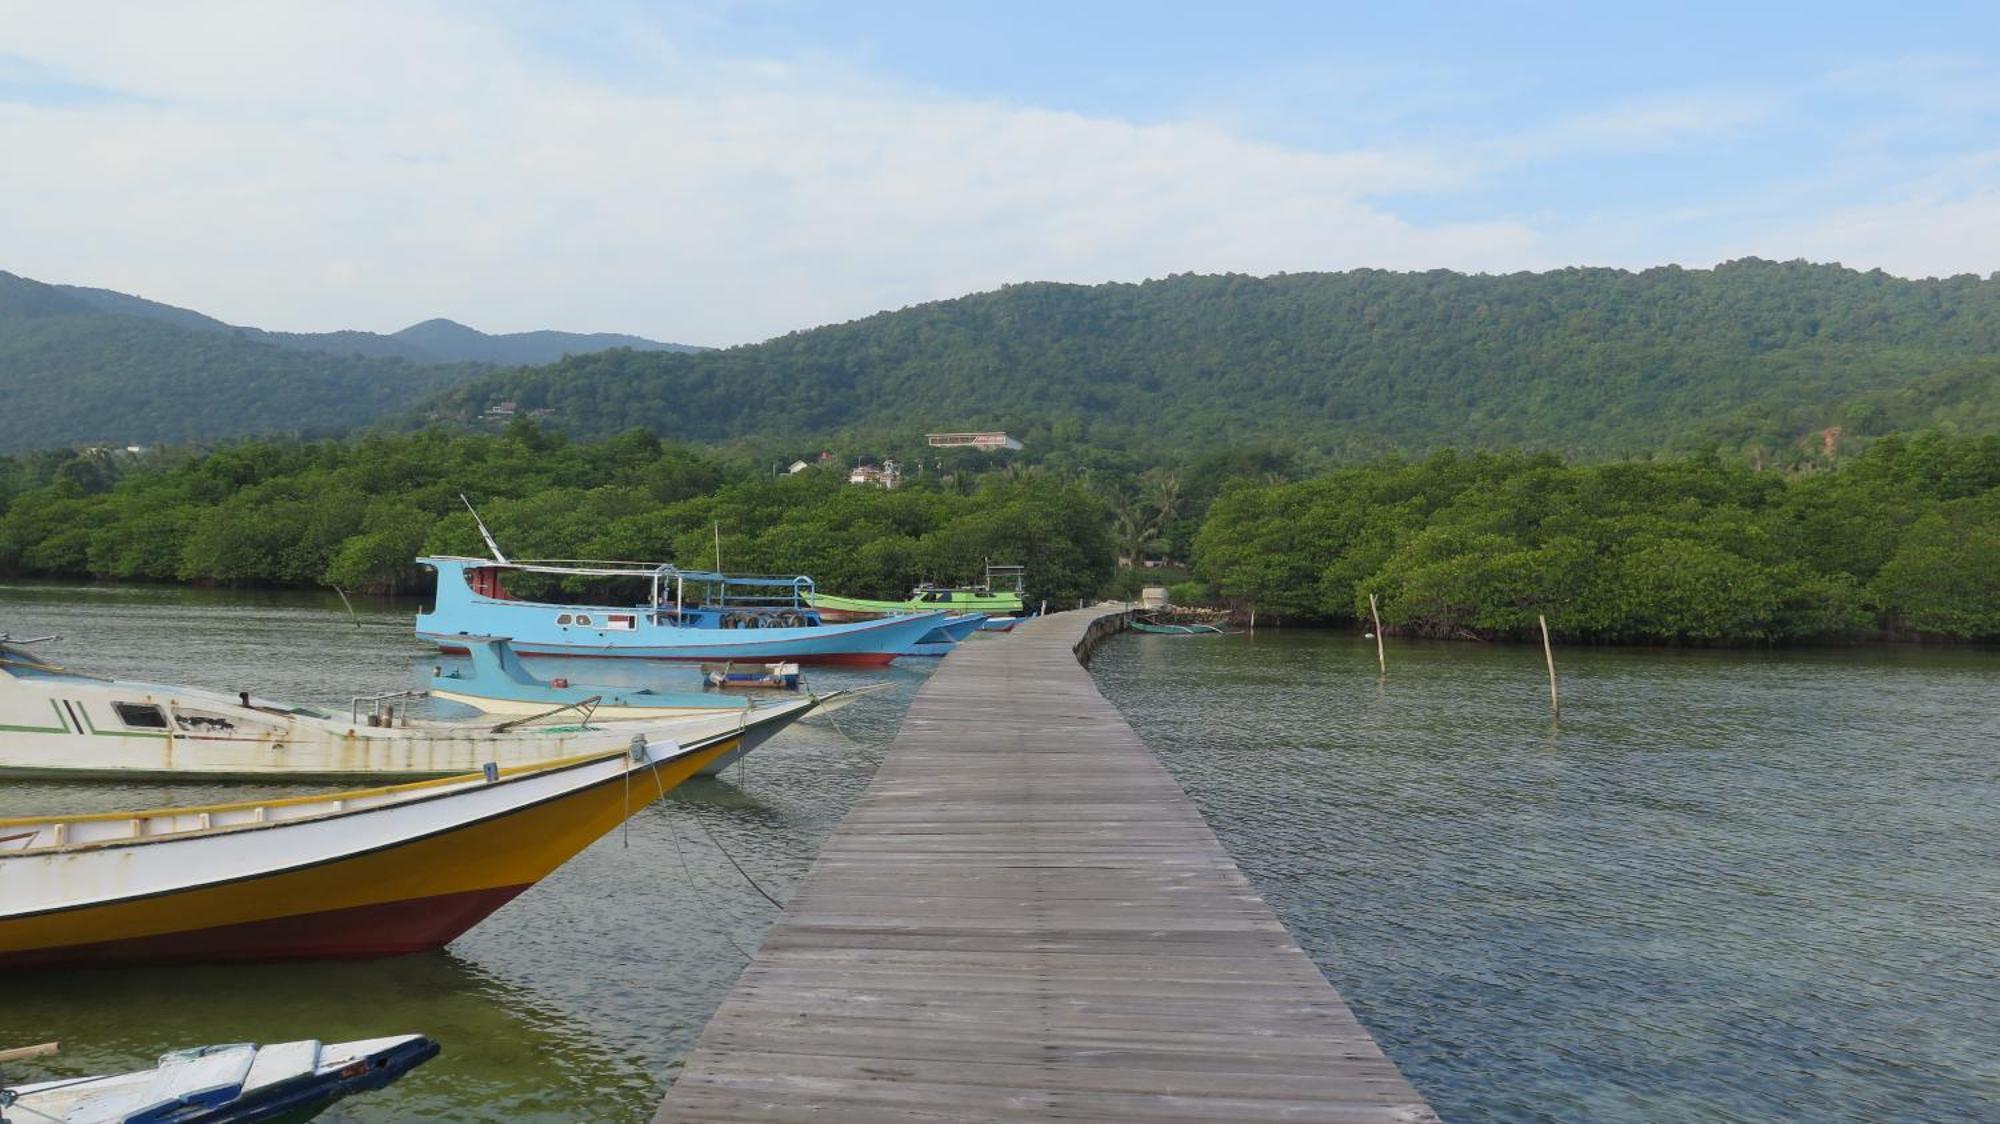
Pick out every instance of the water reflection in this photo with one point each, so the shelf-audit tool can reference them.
(1727, 886)
(575, 1001)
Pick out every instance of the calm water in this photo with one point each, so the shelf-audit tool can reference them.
(1728, 887)
(574, 1002)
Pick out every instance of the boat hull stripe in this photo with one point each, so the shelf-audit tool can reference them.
(383, 929)
(513, 849)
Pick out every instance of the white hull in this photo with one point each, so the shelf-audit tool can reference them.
(76, 725)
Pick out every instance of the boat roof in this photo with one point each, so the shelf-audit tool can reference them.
(592, 567)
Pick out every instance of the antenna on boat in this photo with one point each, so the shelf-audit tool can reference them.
(483, 532)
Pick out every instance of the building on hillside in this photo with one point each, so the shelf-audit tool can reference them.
(985, 442)
(797, 467)
(884, 475)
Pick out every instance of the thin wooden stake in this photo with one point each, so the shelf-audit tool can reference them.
(1548, 653)
(349, 604)
(1381, 656)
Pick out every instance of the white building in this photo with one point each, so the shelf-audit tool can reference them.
(884, 475)
(987, 442)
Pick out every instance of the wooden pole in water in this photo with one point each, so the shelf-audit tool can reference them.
(1381, 656)
(1548, 653)
(23, 1053)
(349, 604)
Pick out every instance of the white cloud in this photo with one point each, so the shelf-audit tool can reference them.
(1636, 127)
(313, 167)
(341, 166)
(1920, 235)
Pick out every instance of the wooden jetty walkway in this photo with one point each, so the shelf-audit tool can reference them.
(1024, 918)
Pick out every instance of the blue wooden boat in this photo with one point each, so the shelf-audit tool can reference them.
(498, 683)
(942, 639)
(231, 1084)
(685, 615)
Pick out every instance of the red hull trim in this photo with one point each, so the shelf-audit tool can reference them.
(835, 659)
(361, 932)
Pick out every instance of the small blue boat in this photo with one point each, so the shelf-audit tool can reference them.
(686, 615)
(232, 1084)
(498, 683)
(942, 639)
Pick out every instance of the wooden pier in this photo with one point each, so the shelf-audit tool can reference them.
(1024, 918)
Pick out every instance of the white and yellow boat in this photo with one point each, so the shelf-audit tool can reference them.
(57, 721)
(373, 872)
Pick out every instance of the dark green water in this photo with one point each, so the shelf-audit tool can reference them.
(574, 1002)
(1728, 887)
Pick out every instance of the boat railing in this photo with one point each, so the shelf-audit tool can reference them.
(382, 708)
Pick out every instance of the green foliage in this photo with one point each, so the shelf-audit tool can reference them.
(1944, 578)
(1753, 355)
(1905, 540)
(72, 372)
(355, 514)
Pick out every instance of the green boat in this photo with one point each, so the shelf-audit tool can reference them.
(999, 603)
(924, 599)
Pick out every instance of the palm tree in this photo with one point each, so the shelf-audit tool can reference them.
(1133, 528)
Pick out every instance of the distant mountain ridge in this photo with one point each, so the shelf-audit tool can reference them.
(92, 366)
(432, 341)
(1769, 358)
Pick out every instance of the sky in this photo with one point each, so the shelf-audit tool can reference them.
(717, 172)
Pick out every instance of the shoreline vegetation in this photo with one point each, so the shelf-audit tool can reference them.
(1899, 543)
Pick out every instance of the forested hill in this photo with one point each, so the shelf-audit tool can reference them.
(91, 366)
(1590, 361)
(74, 373)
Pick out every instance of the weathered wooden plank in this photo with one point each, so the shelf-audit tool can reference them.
(1024, 918)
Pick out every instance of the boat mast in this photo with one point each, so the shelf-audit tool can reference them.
(483, 532)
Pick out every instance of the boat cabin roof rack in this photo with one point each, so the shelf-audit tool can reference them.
(597, 567)
(998, 574)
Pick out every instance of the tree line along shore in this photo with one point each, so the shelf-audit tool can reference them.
(1900, 542)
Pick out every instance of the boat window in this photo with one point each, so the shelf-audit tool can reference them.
(624, 622)
(562, 619)
(140, 716)
(583, 619)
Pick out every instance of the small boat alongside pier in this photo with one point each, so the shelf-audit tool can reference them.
(703, 616)
(56, 721)
(237, 1083)
(373, 872)
(984, 599)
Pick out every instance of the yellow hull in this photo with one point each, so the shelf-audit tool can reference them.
(405, 897)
